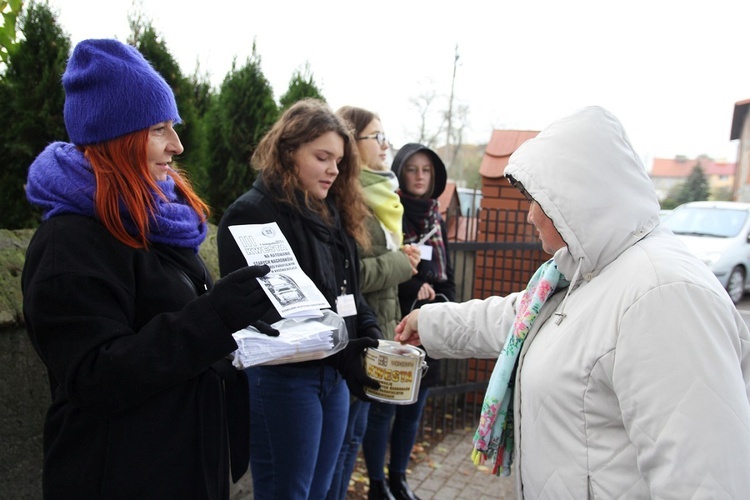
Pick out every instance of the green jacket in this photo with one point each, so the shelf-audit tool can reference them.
(381, 271)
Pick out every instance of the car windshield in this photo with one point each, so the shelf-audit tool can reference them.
(717, 222)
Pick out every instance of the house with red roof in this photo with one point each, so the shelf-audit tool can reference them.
(666, 173)
(459, 226)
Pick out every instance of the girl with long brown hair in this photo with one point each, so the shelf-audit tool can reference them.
(308, 184)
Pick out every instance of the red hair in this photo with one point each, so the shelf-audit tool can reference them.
(123, 180)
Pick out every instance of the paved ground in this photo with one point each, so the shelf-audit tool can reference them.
(449, 474)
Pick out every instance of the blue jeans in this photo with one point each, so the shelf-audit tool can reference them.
(355, 432)
(297, 417)
(402, 436)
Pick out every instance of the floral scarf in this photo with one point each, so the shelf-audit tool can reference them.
(494, 436)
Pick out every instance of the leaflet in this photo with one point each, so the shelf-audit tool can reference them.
(290, 290)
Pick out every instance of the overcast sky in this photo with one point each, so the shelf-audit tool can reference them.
(670, 70)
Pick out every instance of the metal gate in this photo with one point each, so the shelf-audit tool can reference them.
(493, 252)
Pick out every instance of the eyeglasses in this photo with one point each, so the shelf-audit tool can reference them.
(519, 186)
(380, 137)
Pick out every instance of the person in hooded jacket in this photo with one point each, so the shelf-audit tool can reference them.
(422, 178)
(120, 307)
(308, 183)
(624, 368)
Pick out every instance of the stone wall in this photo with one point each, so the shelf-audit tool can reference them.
(24, 390)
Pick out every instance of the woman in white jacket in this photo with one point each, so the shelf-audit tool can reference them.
(633, 380)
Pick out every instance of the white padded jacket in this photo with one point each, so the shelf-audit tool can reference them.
(643, 389)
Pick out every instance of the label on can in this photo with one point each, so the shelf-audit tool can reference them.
(398, 368)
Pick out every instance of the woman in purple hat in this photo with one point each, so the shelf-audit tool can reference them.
(120, 307)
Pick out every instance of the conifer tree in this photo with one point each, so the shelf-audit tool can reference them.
(154, 49)
(301, 85)
(695, 187)
(31, 113)
(242, 112)
(201, 97)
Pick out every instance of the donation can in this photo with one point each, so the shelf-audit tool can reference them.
(399, 368)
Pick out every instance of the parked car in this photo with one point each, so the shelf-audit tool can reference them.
(717, 232)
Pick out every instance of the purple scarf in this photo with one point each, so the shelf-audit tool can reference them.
(61, 181)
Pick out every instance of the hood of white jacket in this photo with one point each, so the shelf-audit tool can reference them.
(585, 175)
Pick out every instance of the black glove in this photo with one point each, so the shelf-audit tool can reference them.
(264, 327)
(238, 298)
(371, 332)
(352, 368)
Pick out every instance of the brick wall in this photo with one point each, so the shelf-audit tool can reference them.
(503, 219)
(500, 272)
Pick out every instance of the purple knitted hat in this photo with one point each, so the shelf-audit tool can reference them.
(111, 90)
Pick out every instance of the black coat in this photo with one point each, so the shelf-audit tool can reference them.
(139, 406)
(445, 290)
(320, 250)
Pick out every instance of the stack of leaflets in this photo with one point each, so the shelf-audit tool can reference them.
(298, 340)
(309, 329)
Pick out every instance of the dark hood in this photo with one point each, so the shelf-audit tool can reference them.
(406, 151)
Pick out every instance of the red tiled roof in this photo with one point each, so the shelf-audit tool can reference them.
(719, 168)
(502, 144)
(459, 228)
(678, 168)
(444, 200)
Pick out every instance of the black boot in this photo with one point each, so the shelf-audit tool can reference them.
(379, 490)
(400, 488)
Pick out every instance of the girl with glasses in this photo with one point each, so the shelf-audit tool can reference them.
(382, 267)
(422, 177)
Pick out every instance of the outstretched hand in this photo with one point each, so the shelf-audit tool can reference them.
(407, 331)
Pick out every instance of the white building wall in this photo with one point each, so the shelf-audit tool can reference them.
(743, 162)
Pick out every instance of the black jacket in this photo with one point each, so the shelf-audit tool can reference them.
(320, 250)
(137, 368)
(445, 290)
(408, 290)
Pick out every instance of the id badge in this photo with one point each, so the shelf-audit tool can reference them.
(345, 305)
(425, 252)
